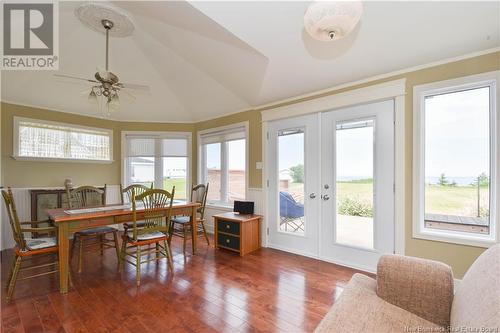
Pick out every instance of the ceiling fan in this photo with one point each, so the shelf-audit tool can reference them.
(106, 86)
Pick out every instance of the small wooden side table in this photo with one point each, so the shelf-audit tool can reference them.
(237, 232)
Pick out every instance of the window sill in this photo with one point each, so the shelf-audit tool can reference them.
(56, 160)
(455, 237)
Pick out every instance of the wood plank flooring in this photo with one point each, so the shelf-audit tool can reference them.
(214, 291)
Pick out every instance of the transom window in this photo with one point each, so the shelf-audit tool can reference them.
(38, 139)
(223, 164)
(161, 159)
(455, 160)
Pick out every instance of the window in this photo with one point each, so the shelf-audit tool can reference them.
(223, 164)
(161, 159)
(37, 139)
(455, 161)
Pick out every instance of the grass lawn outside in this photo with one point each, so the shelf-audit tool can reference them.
(180, 187)
(446, 200)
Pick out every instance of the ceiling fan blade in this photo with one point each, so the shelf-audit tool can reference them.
(75, 78)
(127, 95)
(134, 86)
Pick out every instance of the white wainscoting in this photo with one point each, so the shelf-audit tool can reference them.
(253, 194)
(23, 205)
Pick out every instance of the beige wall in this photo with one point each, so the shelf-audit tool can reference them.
(52, 174)
(458, 256)
(21, 174)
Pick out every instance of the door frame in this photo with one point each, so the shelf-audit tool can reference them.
(395, 90)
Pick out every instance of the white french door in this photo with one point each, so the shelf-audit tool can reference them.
(357, 180)
(331, 184)
(293, 184)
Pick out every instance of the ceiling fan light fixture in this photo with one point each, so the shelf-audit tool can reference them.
(111, 21)
(332, 20)
(92, 97)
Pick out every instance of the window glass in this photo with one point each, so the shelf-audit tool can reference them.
(142, 170)
(354, 190)
(457, 160)
(163, 162)
(236, 159)
(224, 165)
(213, 171)
(175, 174)
(291, 166)
(50, 140)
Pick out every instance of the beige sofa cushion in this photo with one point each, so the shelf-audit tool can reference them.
(423, 287)
(476, 303)
(359, 309)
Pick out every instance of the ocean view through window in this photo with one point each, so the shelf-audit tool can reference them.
(455, 160)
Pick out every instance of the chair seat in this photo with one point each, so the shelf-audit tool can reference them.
(181, 219)
(184, 219)
(151, 235)
(40, 243)
(130, 225)
(97, 231)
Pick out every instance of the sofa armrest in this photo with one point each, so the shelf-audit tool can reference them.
(423, 287)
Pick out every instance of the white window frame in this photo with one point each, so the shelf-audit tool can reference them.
(491, 80)
(202, 157)
(158, 183)
(15, 140)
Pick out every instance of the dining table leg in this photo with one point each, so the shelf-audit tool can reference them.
(194, 229)
(63, 243)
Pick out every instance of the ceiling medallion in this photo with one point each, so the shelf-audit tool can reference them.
(92, 14)
(332, 20)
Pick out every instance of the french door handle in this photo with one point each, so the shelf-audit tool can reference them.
(312, 195)
(325, 197)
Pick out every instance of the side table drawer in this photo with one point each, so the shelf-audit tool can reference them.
(231, 242)
(228, 227)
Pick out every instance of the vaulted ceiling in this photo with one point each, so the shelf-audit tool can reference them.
(206, 59)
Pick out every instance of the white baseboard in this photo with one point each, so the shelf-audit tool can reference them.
(314, 256)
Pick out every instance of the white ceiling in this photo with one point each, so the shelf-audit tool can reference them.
(206, 59)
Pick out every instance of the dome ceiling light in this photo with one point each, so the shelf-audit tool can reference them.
(332, 20)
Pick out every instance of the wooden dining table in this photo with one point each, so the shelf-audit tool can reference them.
(71, 221)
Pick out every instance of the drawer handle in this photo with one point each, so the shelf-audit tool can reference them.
(227, 241)
(227, 226)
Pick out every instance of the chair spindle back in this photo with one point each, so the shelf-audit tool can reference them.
(13, 218)
(133, 189)
(86, 196)
(157, 205)
(199, 194)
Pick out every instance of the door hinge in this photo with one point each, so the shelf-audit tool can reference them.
(267, 135)
(267, 231)
(267, 183)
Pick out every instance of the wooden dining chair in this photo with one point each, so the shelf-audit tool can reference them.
(128, 193)
(84, 197)
(157, 207)
(27, 248)
(181, 225)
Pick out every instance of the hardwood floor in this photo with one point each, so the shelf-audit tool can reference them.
(214, 291)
